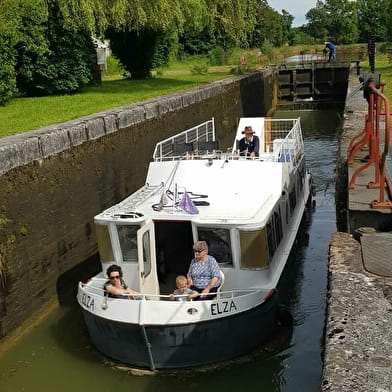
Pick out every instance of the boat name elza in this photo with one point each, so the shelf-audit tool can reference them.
(88, 302)
(223, 307)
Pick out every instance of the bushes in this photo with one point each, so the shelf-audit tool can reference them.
(57, 59)
(7, 69)
(44, 55)
(219, 56)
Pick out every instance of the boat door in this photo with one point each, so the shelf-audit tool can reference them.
(148, 280)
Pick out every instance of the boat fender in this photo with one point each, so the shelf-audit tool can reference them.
(269, 294)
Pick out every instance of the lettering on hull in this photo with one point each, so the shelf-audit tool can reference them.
(223, 307)
(88, 302)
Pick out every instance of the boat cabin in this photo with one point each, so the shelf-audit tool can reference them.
(246, 209)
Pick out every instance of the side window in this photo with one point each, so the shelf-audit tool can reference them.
(254, 249)
(219, 244)
(146, 253)
(278, 226)
(270, 239)
(104, 244)
(127, 235)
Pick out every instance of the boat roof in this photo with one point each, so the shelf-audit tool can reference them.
(223, 187)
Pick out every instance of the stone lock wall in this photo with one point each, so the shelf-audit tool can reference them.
(53, 181)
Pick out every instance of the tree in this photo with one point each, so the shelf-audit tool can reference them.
(8, 34)
(53, 57)
(317, 21)
(227, 21)
(336, 20)
(372, 19)
(287, 21)
(269, 26)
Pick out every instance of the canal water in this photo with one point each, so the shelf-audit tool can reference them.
(57, 354)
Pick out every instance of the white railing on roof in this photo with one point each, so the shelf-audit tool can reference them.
(283, 138)
(282, 142)
(166, 149)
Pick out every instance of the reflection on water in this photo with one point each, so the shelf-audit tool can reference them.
(57, 355)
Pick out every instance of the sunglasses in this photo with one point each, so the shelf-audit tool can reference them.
(115, 277)
(199, 251)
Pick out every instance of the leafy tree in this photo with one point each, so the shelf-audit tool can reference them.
(287, 21)
(317, 21)
(32, 44)
(299, 36)
(337, 19)
(193, 42)
(139, 22)
(372, 19)
(8, 33)
(7, 69)
(53, 57)
(269, 25)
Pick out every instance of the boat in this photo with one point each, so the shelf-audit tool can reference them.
(248, 210)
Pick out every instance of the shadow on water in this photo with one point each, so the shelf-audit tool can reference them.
(67, 283)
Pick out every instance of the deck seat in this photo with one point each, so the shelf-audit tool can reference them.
(182, 148)
(211, 145)
(221, 282)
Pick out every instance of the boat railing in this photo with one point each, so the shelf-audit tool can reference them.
(283, 139)
(96, 288)
(186, 142)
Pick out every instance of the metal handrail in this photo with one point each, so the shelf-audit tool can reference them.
(225, 294)
(370, 136)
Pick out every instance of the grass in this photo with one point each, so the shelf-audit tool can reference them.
(23, 114)
(385, 68)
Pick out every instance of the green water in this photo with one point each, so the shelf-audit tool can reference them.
(57, 355)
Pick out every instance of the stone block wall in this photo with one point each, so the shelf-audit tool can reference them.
(54, 180)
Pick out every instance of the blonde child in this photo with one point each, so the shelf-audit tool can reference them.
(183, 289)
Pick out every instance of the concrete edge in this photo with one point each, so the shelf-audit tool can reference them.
(24, 148)
(358, 334)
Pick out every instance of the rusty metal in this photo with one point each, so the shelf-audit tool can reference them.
(369, 137)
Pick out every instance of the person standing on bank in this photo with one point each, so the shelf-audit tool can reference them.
(249, 145)
(203, 274)
(332, 51)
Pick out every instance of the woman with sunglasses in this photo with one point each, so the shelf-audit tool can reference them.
(203, 274)
(116, 287)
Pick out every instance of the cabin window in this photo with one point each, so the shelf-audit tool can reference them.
(278, 226)
(104, 243)
(127, 235)
(146, 253)
(219, 244)
(270, 239)
(254, 249)
(274, 232)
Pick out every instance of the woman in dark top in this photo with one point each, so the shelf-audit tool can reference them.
(116, 287)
